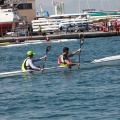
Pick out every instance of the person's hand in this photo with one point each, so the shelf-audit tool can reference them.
(41, 69)
(79, 50)
(45, 57)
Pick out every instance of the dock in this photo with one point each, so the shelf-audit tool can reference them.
(61, 36)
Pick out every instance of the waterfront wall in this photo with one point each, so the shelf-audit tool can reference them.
(62, 36)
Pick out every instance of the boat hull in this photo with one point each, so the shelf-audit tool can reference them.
(33, 42)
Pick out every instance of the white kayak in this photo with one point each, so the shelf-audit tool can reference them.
(107, 61)
(15, 45)
(26, 43)
(21, 44)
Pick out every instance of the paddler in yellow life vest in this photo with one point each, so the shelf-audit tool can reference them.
(28, 62)
(64, 59)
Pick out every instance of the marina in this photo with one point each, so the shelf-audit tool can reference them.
(90, 91)
(92, 23)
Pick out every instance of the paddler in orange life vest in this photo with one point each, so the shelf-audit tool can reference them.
(64, 59)
(28, 62)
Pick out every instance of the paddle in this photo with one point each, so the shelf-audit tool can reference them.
(81, 36)
(47, 50)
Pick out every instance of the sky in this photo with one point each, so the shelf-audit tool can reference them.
(76, 6)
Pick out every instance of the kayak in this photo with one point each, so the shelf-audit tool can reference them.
(20, 44)
(107, 61)
(4, 43)
(26, 43)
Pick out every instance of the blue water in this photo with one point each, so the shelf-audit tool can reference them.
(89, 94)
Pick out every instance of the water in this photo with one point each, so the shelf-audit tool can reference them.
(90, 94)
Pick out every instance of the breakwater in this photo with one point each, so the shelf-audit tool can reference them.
(61, 36)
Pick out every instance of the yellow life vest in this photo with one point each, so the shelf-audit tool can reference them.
(23, 67)
(63, 64)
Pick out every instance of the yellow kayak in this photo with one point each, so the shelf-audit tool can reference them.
(4, 43)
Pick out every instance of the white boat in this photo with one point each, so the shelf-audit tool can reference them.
(107, 61)
(9, 17)
(48, 25)
(15, 45)
(33, 42)
(22, 44)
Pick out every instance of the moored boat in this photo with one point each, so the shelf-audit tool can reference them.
(9, 18)
(5, 43)
(26, 43)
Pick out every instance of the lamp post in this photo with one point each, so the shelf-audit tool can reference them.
(1, 29)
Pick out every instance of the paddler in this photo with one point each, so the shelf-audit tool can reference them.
(28, 62)
(47, 39)
(64, 59)
(17, 41)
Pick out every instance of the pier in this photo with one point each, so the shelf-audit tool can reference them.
(61, 36)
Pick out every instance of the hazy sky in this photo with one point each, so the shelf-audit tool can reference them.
(72, 6)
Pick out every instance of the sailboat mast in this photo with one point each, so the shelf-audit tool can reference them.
(79, 6)
(88, 5)
(109, 4)
(102, 4)
(117, 3)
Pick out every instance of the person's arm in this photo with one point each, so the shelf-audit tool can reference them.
(32, 66)
(39, 59)
(67, 61)
(78, 50)
(71, 63)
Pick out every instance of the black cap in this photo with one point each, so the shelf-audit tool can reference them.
(65, 49)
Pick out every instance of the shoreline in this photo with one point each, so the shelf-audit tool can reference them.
(61, 36)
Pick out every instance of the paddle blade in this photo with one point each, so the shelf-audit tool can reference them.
(48, 48)
(81, 41)
(81, 36)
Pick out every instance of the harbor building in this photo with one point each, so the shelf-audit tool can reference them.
(26, 8)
